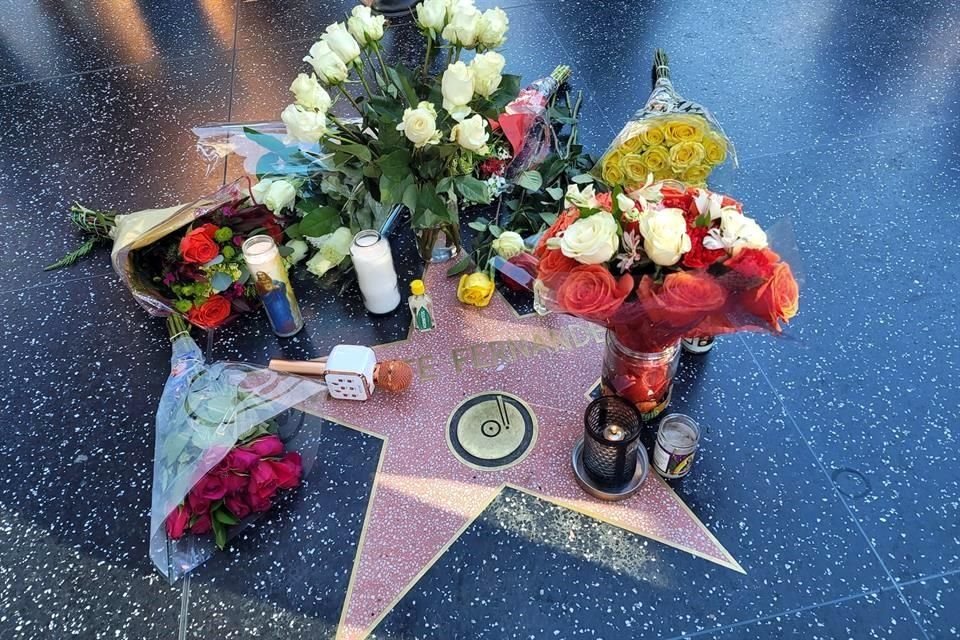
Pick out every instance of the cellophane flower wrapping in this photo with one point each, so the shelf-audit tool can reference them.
(266, 149)
(670, 137)
(205, 410)
(665, 262)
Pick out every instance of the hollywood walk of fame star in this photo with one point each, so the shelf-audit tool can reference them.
(498, 401)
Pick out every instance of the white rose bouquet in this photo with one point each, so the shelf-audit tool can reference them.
(418, 134)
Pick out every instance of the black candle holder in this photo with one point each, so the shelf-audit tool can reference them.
(612, 427)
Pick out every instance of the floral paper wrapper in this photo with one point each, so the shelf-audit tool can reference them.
(204, 411)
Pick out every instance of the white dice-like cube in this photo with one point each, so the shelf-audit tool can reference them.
(349, 373)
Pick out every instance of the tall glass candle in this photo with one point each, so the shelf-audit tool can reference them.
(376, 275)
(269, 275)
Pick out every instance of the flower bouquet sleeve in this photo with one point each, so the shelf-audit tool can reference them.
(229, 443)
(670, 137)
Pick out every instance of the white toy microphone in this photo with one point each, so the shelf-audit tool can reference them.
(351, 372)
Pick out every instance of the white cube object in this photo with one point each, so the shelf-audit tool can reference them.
(349, 373)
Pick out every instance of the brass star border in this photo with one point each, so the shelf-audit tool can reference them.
(437, 474)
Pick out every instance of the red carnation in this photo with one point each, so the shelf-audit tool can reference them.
(699, 257)
(754, 263)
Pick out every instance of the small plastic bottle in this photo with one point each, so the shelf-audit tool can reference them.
(421, 306)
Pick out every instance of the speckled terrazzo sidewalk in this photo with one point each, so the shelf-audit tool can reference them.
(828, 472)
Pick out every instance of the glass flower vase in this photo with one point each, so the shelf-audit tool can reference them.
(438, 243)
(645, 379)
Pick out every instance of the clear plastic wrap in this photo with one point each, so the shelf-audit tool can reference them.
(264, 148)
(205, 412)
(670, 138)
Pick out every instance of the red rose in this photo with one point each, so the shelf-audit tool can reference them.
(683, 300)
(554, 267)
(564, 220)
(753, 263)
(263, 481)
(211, 314)
(237, 505)
(288, 470)
(776, 299)
(177, 522)
(235, 483)
(240, 459)
(258, 504)
(699, 257)
(273, 230)
(591, 292)
(198, 246)
(202, 525)
(525, 262)
(211, 487)
(196, 502)
(265, 447)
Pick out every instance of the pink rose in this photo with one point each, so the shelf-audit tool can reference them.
(202, 525)
(288, 470)
(197, 503)
(242, 460)
(263, 481)
(238, 506)
(177, 522)
(266, 447)
(235, 483)
(211, 487)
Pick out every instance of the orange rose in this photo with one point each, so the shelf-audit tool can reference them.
(564, 220)
(591, 292)
(754, 263)
(684, 299)
(554, 267)
(211, 314)
(198, 246)
(776, 299)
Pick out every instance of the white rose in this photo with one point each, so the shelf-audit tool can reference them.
(737, 232)
(341, 42)
(325, 62)
(591, 240)
(471, 134)
(432, 15)
(585, 198)
(331, 250)
(492, 31)
(309, 93)
(365, 27)
(486, 68)
(299, 248)
(665, 238)
(420, 125)
(457, 89)
(277, 195)
(462, 28)
(304, 125)
(508, 245)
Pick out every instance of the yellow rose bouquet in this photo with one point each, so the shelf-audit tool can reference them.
(670, 137)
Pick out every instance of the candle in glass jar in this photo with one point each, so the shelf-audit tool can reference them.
(613, 433)
(376, 275)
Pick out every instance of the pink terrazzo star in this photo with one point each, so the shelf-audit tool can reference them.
(424, 496)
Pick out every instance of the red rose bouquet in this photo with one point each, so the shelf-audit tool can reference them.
(230, 442)
(660, 263)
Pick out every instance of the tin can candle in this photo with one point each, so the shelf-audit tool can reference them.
(699, 344)
(677, 441)
(269, 276)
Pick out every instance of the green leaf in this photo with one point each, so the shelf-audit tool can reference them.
(403, 79)
(225, 517)
(356, 150)
(220, 281)
(530, 180)
(386, 109)
(555, 192)
(431, 209)
(393, 190)
(508, 90)
(266, 141)
(460, 267)
(472, 189)
(320, 222)
(219, 533)
(293, 231)
(495, 230)
(284, 250)
(410, 196)
(548, 218)
(395, 165)
(478, 225)
(583, 178)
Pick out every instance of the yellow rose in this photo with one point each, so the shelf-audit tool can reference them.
(615, 157)
(634, 169)
(714, 147)
(612, 173)
(656, 159)
(684, 155)
(631, 145)
(652, 136)
(697, 176)
(684, 129)
(476, 289)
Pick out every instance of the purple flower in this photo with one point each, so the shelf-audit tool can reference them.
(228, 211)
(237, 289)
(237, 240)
(169, 279)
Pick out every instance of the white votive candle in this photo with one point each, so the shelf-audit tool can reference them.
(376, 275)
